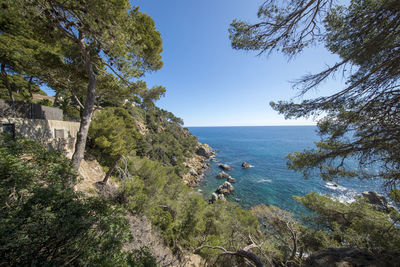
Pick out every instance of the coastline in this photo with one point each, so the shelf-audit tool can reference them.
(197, 164)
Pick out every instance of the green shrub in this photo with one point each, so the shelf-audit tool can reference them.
(44, 222)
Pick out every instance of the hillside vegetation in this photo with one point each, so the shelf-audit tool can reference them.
(92, 53)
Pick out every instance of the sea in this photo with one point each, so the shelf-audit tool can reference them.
(269, 181)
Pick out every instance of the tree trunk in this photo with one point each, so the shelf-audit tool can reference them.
(6, 81)
(87, 113)
(30, 86)
(56, 99)
(110, 171)
(294, 248)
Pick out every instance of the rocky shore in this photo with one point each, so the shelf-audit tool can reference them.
(198, 164)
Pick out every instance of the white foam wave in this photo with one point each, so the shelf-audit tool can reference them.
(345, 198)
(342, 194)
(335, 187)
(264, 181)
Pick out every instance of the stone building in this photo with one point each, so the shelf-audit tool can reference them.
(41, 123)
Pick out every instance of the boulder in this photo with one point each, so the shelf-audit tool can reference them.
(226, 188)
(377, 200)
(231, 180)
(205, 151)
(246, 165)
(212, 158)
(214, 197)
(225, 167)
(223, 175)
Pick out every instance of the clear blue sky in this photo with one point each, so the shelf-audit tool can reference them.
(210, 84)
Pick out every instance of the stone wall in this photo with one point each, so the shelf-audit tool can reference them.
(53, 134)
(29, 111)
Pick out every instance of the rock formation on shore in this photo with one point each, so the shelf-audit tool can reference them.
(205, 150)
(226, 188)
(197, 164)
(231, 179)
(225, 167)
(215, 197)
(223, 175)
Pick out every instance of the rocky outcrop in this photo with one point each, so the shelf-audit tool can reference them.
(205, 150)
(223, 175)
(378, 201)
(225, 167)
(231, 179)
(215, 197)
(343, 257)
(91, 172)
(197, 164)
(246, 165)
(226, 188)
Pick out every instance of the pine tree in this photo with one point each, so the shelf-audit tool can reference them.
(362, 119)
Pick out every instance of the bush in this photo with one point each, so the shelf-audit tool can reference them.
(44, 222)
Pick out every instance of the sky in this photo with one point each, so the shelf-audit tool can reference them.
(210, 84)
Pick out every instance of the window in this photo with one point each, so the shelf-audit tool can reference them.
(9, 128)
(58, 133)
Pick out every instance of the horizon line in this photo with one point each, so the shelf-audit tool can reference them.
(251, 125)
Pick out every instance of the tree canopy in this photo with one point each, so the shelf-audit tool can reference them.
(45, 222)
(362, 119)
(80, 44)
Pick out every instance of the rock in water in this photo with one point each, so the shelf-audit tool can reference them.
(226, 188)
(225, 167)
(223, 175)
(246, 165)
(231, 180)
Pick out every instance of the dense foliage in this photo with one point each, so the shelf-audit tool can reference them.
(357, 224)
(72, 45)
(44, 222)
(88, 52)
(185, 220)
(21, 87)
(115, 132)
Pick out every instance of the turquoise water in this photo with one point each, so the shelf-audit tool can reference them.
(269, 181)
